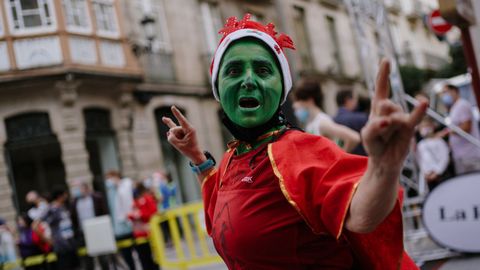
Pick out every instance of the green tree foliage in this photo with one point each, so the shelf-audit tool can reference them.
(458, 64)
(413, 78)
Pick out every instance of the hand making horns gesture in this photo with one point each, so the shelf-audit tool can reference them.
(388, 132)
(183, 137)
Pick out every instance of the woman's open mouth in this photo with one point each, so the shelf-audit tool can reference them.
(248, 103)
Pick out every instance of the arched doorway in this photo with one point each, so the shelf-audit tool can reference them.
(101, 145)
(34, 156)
(175, 163)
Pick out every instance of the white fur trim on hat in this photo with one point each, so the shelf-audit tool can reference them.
(267, 39)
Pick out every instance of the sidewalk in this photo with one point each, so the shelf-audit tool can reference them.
(461, 263)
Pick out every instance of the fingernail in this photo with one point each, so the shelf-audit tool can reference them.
(383, 124)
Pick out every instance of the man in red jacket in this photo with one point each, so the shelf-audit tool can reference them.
(144, 207)
(283, 199)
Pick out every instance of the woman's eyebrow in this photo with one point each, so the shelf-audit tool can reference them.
(262, 63)
(232, 63)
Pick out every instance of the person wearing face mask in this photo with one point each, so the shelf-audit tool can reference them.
(307, 104)
(38, 205)
(285, 199)
(87, 204)
(466, 156)
(432, 153)
(120, 203)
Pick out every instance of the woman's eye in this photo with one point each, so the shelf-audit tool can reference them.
(263, 71)
(233, 71)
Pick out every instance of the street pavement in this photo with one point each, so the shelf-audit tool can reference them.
(461, 263)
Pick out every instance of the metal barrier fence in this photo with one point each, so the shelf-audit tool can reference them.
(193, 250)
(189, 238)
(52, 257)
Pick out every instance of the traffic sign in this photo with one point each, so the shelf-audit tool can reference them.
(437, 23)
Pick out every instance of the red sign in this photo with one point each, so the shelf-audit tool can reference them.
(437, 23)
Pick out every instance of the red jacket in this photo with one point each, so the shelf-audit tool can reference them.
(144, 207)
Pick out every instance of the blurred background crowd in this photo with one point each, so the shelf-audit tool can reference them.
(54, 221)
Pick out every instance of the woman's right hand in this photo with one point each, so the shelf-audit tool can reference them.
(183, 137)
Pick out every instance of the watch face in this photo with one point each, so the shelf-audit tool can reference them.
(210, 157)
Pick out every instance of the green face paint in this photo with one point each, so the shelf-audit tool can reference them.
(249, 83)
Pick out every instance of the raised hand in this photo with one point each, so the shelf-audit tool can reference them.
(183, 137)
(386, 138)
(388, 133)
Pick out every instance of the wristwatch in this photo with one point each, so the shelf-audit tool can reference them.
(207, 164)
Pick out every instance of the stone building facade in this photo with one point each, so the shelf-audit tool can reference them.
(66, 77)
(83, 85)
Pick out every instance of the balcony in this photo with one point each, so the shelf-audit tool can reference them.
(38, 39)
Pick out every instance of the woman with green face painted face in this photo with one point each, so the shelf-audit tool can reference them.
(249, 83)
(284, 199)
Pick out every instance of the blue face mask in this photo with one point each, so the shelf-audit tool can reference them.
(76, 193)
(447, 100)
(302, 115)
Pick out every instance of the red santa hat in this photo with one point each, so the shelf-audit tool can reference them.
(234, 30)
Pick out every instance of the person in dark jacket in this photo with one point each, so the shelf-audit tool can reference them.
(63, 237)
(347, 116)
(87, 204)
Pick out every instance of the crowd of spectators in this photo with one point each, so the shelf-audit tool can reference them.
(441, 153)
(54, 223)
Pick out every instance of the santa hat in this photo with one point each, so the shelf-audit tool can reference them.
(234, 30)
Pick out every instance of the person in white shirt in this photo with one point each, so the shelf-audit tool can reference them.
(432, 153)
(38, 206)
(308, 100)
(466, 156)
(7, 246)
(120, 203)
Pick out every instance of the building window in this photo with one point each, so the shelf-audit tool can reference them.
(212, 23)
(30, 16)
(156, 10)
(302, 39)
(162, 39)
(106, 18)
(34, 156)
(76, 16)
(335, 45)
(101, 145)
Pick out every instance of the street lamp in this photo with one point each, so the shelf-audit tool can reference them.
(148, 24)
